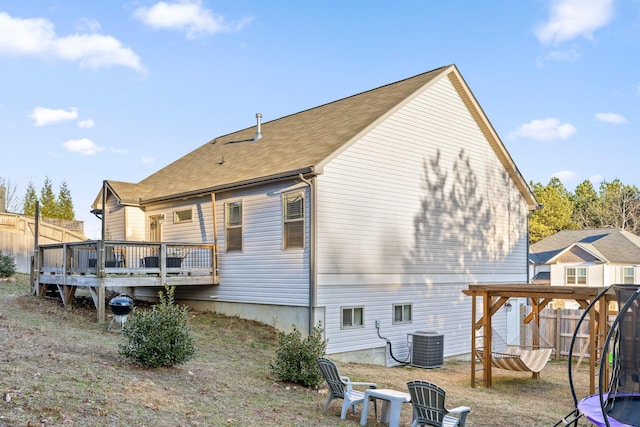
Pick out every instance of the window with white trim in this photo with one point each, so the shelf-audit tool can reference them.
(576, 275)
(402, 313)
(182, 216)
(293, 220)
(233, 222)
(352, 317)
(629, 276)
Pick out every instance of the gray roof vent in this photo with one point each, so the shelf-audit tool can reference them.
(258, 127)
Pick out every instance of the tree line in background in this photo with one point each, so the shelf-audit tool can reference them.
(614, 204)
(51, 205)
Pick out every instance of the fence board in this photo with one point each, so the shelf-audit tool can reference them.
(557, 326)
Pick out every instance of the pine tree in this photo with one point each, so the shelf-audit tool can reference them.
(47, 199)
(30, 199)
(64, 203)
(557, 211)
(585, 201)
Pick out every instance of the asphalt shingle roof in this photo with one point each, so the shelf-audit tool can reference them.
(298, 143)
(613, 244)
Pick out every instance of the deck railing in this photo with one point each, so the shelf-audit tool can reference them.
(95, 257)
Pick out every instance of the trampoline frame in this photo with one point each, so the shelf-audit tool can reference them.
(596, 412)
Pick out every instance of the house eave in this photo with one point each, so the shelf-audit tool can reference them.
(307, 171)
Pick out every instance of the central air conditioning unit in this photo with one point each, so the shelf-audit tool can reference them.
(427, 349)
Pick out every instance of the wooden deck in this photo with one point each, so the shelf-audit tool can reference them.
(98, 265)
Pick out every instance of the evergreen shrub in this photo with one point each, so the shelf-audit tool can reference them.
(160, 336)
(296, 358)
(7, 265)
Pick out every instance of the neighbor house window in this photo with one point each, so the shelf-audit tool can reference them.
(352, 317)
(182, 216)
(576, 275)
(629, 275)
(293, 217)
(401, 313)
(234, 226)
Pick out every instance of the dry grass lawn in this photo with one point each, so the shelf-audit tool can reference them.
(59, 367)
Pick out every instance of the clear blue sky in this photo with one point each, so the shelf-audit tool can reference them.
(94, 90)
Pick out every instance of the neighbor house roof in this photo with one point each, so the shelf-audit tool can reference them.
(299, 143)
(612, 245)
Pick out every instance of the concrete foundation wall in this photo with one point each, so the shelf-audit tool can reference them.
(280, 317)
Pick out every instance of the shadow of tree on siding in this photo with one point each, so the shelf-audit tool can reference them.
(464, 225)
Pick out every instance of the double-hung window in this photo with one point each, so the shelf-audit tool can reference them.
(233, 216)
(352, 317)
(293, 219)
(629, 275)
(576, 275)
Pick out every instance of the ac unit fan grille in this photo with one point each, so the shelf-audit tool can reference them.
(427, 349)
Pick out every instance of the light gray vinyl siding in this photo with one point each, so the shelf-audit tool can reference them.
(135, 221)
(415, 211)
(114, 220)
(198, 230)
(263, 272)
(428, 304)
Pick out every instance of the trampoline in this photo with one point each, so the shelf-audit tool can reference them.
(619, 404)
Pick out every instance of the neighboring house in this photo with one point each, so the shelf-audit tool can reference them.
(376, 209)
(591, 257)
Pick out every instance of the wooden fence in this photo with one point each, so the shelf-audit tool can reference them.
(557, 326)
(17, 237)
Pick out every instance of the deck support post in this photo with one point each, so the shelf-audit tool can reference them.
(100, 306)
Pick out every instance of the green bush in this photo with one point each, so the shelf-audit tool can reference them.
(296, 358)
(159, 337)
(7, 265)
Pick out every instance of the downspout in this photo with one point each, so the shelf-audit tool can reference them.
(312, 247)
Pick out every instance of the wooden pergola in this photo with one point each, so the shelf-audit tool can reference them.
(495, 296)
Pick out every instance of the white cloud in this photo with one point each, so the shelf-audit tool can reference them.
(119, 150)
(83, 146)
(147, 160)
(44, 116)
(37, 37)
(548, 129)
(613, 118)
(575, 18)
(86, 124)
(596, 180)
(566, 175)
(88, 25)
(568, 55)
(188, 16)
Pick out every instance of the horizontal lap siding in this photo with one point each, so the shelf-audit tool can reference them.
(198, 230)
(415, 210)
(428, 304)
(263, 272)
(114, 220)
(135, 221)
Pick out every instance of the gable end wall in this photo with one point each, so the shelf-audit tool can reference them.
(413, 212)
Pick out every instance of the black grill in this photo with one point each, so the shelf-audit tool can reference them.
(121, 305)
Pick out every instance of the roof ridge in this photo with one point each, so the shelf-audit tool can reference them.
(335, 101)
